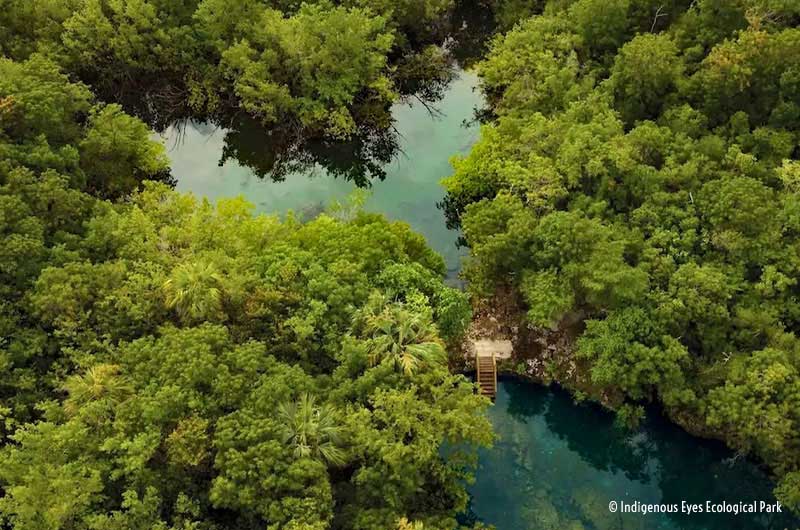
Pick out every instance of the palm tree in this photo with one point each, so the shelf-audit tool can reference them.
(409, 339)
(194, 290)
(405, 524)
(312, 430)
(101, 384)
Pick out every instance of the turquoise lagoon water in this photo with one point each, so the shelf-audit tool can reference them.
(558, 465)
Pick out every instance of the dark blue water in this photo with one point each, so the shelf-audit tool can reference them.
(558, 465)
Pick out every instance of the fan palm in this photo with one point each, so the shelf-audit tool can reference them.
(312, 430)
(407, 338)
(194, 290)
(101, 384)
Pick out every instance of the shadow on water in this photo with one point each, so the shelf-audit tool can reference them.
(472, 24)
(557, 465)
(278, 153)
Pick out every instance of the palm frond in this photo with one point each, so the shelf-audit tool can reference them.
(311, 430)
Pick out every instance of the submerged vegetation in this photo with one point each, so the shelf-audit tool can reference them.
(638, 175)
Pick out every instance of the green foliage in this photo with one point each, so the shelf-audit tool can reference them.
(630, 416)
(195, 291)
(534, 66)
(46, 122)
(638, 174)
(418, 286)
(311, 430)
(397, 434)
(304, 67)
(630, 352)
(758, 404)
(41, 103)
(788, 491)
(407, 341)
(214, 370)
(316, 69)
(29, 27)
(646, 71)
(602, 25)
(117, 153)
(751, 74)
(56, 145)
(101, 388)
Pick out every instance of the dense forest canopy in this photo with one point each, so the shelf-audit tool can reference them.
(638, 174)
(318, 64)
(168, 363)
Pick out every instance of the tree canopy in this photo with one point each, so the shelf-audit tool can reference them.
(173, 364)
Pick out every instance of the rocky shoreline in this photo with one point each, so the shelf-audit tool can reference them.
(548, 357)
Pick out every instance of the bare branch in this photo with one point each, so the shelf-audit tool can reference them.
(433, 111)
(659, 14)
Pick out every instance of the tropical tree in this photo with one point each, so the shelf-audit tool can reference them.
(194, 290)
(101, 387)
(405, 524)
(312, 430)
(408, 340)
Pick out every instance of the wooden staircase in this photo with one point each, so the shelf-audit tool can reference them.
(487, 375)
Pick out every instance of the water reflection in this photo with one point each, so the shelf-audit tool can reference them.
(278, 153)
(607, 449)
(409, 191)
(472, 23)
(558, 465)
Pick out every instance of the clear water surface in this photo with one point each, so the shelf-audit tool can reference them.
(557, 466)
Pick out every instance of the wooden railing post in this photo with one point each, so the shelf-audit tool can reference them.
(494, 375)
(478, 370)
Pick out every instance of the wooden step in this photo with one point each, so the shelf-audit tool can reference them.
(486, 376)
